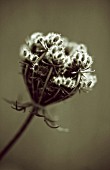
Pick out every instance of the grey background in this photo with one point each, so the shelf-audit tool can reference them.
(87, 145)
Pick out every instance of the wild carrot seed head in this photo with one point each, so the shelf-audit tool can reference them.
(54, 68)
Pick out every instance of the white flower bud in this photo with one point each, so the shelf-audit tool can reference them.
(81, 47)
(54, 39)
(35, 35)
(67, 82)
(82, 59)
(87, 81)
(25, 53)
(55, 54)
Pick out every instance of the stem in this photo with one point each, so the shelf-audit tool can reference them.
(46, 81)
(26, 123)
(17, 135)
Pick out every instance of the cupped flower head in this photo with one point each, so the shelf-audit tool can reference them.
(54, 68)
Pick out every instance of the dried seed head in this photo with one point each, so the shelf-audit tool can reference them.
(54, 68)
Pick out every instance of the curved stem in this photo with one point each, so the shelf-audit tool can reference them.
(26, 123)
(17, 135)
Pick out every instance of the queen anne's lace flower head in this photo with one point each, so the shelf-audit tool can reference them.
(70, 64)
(54, 68)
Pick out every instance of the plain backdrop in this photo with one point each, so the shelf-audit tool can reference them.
(87, 145)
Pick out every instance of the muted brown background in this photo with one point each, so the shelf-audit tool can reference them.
(87, 145)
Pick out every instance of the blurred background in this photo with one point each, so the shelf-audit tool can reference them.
(87, 145)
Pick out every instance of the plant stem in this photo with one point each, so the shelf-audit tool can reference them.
(45, 84)
(26, 123)
(17, 135)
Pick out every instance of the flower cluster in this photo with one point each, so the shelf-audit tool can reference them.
(54, 69)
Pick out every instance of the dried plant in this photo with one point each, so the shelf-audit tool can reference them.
(53, 69)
